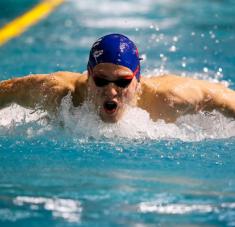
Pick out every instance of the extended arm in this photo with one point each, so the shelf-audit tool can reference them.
(168, 97)
(44, 91)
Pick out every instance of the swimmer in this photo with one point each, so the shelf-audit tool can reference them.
(113, 82)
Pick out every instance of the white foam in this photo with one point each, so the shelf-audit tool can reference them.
(136, 124)
(68, 209)
(166, 204)
(175, 208)
(83, 122)
(228, 205)
(17, 119)
(16, 114)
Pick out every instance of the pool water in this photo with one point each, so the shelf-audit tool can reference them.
(77, 170)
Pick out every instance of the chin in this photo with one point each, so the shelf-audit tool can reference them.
(111, 118)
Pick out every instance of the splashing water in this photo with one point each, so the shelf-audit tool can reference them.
(83, 122)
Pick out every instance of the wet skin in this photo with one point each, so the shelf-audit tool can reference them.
(164, 97)
(111, 100)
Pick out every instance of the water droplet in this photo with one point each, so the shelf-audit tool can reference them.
(144, 57)
(175, 39)
(212, 36)
(205, 69)
(172, 48)
(164, 59)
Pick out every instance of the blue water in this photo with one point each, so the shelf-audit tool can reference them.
(78, 171)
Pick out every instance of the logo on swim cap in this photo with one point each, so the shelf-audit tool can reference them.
(116, 49)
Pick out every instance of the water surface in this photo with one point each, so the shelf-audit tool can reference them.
(75, 170)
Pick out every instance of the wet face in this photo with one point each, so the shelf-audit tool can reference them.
(111, 88)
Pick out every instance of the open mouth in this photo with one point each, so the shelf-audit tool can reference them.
(110, 106)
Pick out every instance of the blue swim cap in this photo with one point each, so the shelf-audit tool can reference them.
(116, 49)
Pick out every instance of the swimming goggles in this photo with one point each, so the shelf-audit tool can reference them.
(122, 82)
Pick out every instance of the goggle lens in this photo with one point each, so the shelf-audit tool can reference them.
(101, 82)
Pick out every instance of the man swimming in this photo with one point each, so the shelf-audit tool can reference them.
(113, 82)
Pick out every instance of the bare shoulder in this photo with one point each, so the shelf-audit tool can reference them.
(171, 81)
(166, 85)
(75, 83)
(167, 81)
(68, 75)
(175, 96)
(57, 80)
(45, 90)
(69, 78)
(182, 89)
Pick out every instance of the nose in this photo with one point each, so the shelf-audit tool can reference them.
(111, 90)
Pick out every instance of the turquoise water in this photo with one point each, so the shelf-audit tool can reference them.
(78, 171)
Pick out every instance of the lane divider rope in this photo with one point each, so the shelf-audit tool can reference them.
(30, 18)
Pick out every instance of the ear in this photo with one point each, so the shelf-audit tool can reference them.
(90, 71)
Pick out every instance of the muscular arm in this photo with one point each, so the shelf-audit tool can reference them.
(168, 97)
(43, 91)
